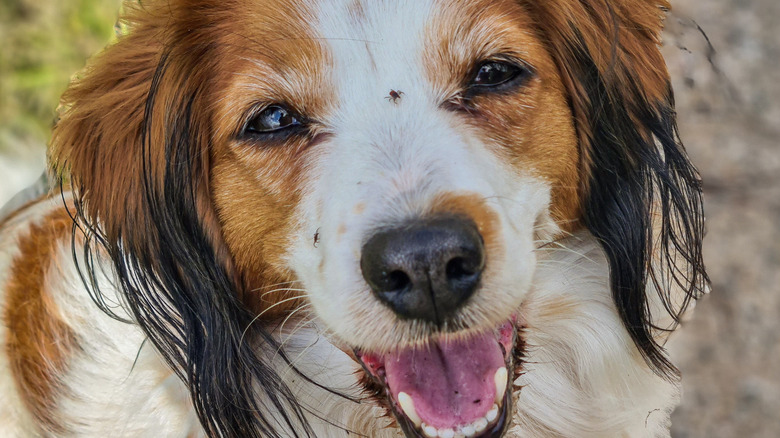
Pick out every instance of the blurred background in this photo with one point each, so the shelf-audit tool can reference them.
(42, 44)
(728, 95)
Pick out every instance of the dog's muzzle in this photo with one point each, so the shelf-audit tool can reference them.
(427, 270)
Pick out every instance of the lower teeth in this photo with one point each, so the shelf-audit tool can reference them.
(467, 431)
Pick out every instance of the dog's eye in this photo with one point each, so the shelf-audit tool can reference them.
(494, 73)
(272, 119)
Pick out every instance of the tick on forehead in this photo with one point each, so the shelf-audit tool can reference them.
(394, 95)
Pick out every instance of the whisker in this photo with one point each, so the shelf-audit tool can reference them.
(301, 324)
(259, 315)
(283, 289)
(268, 286)
(279, 303)
(560, 246)
(301, 307)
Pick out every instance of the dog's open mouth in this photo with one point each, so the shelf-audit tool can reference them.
(451, 387)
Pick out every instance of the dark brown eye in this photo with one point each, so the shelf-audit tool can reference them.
(494, 73)
(272, 119)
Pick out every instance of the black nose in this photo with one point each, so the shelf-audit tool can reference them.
(425, 269)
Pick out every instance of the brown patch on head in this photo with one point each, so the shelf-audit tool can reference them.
(622, 38)
(256, 182)
(544, 127)
(530, 125)
(38, 342)
(169, 100)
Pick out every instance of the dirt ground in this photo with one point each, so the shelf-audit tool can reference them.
(729, 115)
(729, 107)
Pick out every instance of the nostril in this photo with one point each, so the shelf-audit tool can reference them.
(396, 281)
(459, 268)
(462, 273)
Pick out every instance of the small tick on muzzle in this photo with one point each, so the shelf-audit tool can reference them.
(394, 96)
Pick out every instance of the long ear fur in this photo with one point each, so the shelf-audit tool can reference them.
(134, 140)
(642, 195)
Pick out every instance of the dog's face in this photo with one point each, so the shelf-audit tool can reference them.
(409, 220)
(389, 167)
(310, 145)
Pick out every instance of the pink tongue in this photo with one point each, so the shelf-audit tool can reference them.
(451, 383)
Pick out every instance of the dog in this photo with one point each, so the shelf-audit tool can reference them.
(357, 218)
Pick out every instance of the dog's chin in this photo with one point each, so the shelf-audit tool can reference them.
(454, 386)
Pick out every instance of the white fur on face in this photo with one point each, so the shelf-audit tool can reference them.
(385, 162)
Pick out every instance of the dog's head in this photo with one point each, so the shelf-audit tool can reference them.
(393, 168)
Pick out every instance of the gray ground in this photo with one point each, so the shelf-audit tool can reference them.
(730, 120)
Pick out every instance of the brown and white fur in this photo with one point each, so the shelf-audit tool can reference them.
(194, 275)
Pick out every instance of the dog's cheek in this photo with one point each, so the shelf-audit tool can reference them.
(540, 141)
(326, 250)
(557, 156)
(256, 213)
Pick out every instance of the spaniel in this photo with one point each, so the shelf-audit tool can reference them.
(328, 218)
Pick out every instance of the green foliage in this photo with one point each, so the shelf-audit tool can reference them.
(42, 44)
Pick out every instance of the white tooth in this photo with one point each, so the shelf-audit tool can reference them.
(492, 414)
(446, 433)
(468, 430)
(407, 405)
(480, 425)
(430, 431)
(501, 379)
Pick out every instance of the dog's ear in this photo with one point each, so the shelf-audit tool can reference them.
(96, 142)
(133, 141)
(642, 196)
